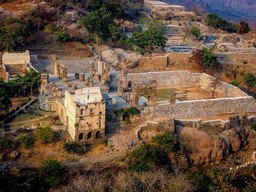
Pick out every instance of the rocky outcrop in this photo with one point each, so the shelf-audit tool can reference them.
(205, 148)
(120, 58)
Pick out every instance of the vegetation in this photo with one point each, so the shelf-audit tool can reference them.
(46, 135)
(22, 86)
(193, 31)
(165, 142)
(146, 157)
(75, 147)
(99, 21)
(62, 36)
(215, 21)
(12, 34)
(25, 140)
(51, 172)
(250, 80)
(209, 60)
(235, 82)
(205, 59)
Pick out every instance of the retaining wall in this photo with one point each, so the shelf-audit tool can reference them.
(197, 109)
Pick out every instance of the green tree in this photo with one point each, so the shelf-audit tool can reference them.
(166, 141)
(46, 135)
(250, 80)
(51, 172)
(12, 34)
(214, 20)
(146, 157)
(209, 60)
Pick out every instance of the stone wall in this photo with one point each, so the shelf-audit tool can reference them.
(241, 61)
(200, 109)
(165, 78)
(225, 89)
(168, 61)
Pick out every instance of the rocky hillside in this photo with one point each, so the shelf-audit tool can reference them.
(235, 10)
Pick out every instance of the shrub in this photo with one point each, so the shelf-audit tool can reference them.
(132, 111)
(209, 60)
(51, 171)
(201, 181)
(75, 147)
(166, 141)
(62, 36)
(146, 157)
(250, 80)
(234, 82)
(25, 140)
(46, 135)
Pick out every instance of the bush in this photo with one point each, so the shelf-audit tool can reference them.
(146, 157)
(132, 111)
(75, 147)
(166, 141)
(46, 135)
(25, 140)
(250, 80)
(209, 60)
(51, 171)
(201, 181)
(234, 82)
(62, 36)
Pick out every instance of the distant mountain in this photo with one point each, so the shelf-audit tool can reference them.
(235, 10)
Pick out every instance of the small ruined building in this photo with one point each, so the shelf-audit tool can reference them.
(162, 10)
(77, 99)
(15, 63)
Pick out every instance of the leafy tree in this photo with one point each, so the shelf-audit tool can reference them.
(166, 141)
(146, 157)
(215, 21)
(244, 27)
(51, 172)
(12, 34)
(25, 140)
(209, 60)
(250, 80)
(46, 135)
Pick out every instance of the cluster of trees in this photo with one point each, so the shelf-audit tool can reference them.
(99, 22)
(151, 38)
(215, 21)
(22, 86)
(12, 34)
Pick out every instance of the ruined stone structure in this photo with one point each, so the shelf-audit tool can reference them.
(85, 114)
(231, 100)
(15, 63)
(162, 10)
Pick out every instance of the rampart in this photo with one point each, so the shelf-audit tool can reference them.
(233, 101)
(170, 61)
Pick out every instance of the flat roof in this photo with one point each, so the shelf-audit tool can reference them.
(87, 95)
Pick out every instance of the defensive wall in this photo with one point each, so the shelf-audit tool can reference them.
(233, 100)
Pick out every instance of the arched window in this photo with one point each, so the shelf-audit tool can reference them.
(98, 135)
(81, 137)
(89, 135)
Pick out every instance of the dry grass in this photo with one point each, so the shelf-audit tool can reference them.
(159, 180)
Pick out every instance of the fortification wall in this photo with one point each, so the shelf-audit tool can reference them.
(199, 109)
(225, 89)
(165, 78)
(168, 61)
